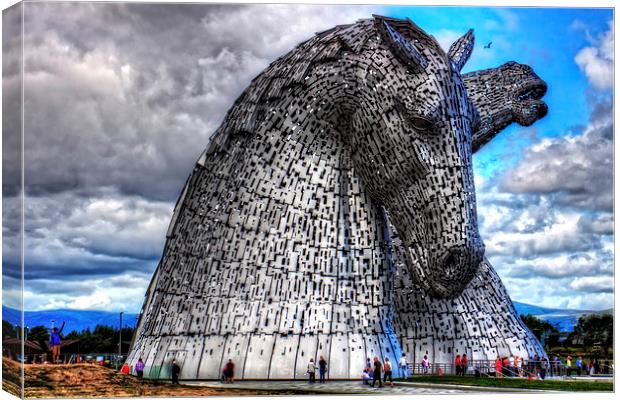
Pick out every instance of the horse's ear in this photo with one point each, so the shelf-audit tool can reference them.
(461, 49)
(403, 49)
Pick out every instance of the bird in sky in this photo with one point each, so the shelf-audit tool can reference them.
(488, 46)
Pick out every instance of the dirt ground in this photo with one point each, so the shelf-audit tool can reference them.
(89, 380)
(11, 377)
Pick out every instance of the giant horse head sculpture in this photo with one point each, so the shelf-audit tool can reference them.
(280, 232)
(402, 109)
(414, 152)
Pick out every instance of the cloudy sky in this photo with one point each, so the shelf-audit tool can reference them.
(121, 99)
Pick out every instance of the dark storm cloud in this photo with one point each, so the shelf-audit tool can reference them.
(54, 286)
(76, 268)
(127, 95)
(11, 101)
(82, 268)
(121, 99)
(103, 234)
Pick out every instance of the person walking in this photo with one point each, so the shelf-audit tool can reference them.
(176, 370)
(596, 366)
(425, 364)
(311, 371)
(544, 366)
(376, 374)
(403, 367)
(520, 366)
(511, 365)
(229, 373)
(505, 364)
(579, 365)
(464, 362)
(387, 368)
(322, 369)
(55, 342)
(457, 364)
(555, 366)
(498, 367)
(125, 369)
(139, 368)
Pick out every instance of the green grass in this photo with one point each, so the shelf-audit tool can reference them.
(566, 385)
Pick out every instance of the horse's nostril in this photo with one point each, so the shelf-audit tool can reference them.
(450, 260)
(542, 110)
(459, 261)
(450, 265)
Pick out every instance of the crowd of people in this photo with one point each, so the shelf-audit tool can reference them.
(541, 367)
(375, 369)
(461, 364)
(380, 372)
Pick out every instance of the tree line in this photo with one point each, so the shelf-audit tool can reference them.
(593, 331)
(101, 339)
(590, 330)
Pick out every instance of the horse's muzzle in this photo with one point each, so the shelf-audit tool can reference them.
(455, 269)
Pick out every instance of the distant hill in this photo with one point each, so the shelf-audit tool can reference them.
(78, 320)
(75, 320)
(563, 320)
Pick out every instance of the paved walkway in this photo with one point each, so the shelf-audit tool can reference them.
(340, 387)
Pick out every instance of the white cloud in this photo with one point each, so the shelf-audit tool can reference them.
(594, 284)
(121, 292)
(597, 61)
(577, 170)
(581, 264)
(557, 293)
(547, 223)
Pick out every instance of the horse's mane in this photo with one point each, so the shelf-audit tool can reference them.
(291, 69)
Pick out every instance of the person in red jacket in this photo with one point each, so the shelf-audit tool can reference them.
(457, 364)
(498, 367)
(125, 369)
(229, 371)
(464, 362)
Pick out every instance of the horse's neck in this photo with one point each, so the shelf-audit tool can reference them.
(296, 189)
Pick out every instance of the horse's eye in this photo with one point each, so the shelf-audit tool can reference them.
(421, 124)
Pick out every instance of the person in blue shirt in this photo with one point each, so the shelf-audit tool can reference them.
(55, 342)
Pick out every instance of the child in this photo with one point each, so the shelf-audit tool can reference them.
(365, 377)
(425, 364)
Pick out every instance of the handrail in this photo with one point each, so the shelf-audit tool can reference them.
(474, 367)
(528, 367)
